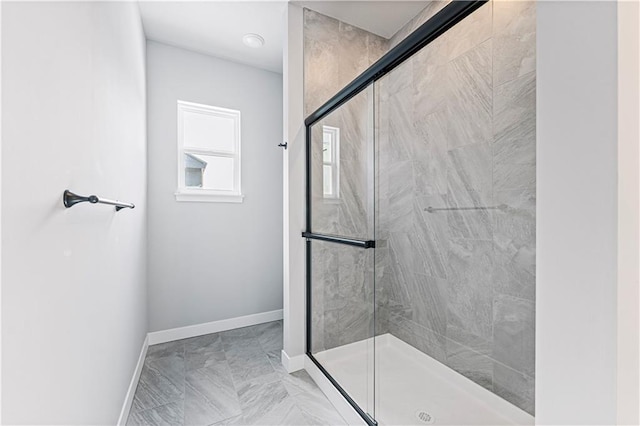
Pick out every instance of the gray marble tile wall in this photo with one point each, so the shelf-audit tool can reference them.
(350, 213)
(342, 302)
(334, 54)
(455, 128)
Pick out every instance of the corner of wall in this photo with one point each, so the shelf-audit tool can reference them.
(628, 370)
(293, 104)
(1, 421)
(133, 384)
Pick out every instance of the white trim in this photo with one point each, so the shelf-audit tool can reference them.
(172, 334)
(193, 106)
(128, 400)
(293, 122)
(205, 197)
(292, 363)
(285, 199)
(628, 322)
(335, 398)
(235, 154)
(0, 211)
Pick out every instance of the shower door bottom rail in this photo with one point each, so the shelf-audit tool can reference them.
(340, 240)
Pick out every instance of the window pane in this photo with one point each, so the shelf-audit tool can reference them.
(208, 131)
(326, 147)
(327, 180)
(209, 172)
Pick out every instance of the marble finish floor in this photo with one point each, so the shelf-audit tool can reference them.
(230, 378)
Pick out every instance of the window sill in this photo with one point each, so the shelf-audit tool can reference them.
(208, 197)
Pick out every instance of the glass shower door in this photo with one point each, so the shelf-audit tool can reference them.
(455, 225)
(341, 256)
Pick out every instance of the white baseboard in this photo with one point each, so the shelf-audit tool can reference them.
(128, 400)
(292, 363)
(172, 334)
(341, 405)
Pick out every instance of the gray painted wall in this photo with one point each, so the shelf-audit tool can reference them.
(73, 280)
(213, 261)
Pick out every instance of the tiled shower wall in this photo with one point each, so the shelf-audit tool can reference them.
(454, 128)
(457, 131)
(334, 54)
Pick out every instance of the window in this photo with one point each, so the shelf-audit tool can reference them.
(330, 162)
(208, 153)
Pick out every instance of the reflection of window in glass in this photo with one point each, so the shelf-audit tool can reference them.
(208, 153)
(330, 162)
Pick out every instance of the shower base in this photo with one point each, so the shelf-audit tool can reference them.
(413, 388)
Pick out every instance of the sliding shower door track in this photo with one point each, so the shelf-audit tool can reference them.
(446, 18)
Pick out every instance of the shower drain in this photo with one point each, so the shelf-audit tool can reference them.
(425, 417)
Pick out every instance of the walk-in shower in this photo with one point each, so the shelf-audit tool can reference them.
(421, 223)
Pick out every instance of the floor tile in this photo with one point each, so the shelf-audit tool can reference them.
(207, 343)
(269, 404)
(244, 370)
(299, 382)
(270, 336)
(210, 395)
(275, 359)
(161, 382)
(169, 414)
(237, 420)
(195, 361)
(234, 377)
(163, 350)
(317, 409)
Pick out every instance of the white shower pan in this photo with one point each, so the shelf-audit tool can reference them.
(414, 389)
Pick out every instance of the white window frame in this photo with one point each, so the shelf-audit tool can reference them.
(185, 193)
(334, 163)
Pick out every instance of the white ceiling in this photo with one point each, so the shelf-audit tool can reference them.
(216, 27)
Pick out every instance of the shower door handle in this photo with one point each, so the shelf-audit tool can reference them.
(340, 240)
